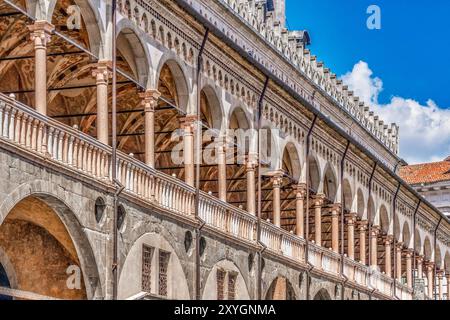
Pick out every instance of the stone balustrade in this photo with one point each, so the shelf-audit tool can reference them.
(28, 131)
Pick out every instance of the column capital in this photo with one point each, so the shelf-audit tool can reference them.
(429, 266)
(276, 177)
(251, 162)
(408, 252)
(101, 71)
(150, 99)
(351, 218)
(188, 120)
(336, 208)
(374, 231)
(362, 225)
(300, 191)
(41, 31)
(440, 273)
(420, 258)
(387, 240)
(399, 246)
(318, 200)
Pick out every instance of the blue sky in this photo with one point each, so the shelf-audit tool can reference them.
(403, 68)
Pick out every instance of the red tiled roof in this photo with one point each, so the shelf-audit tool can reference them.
(426, 172)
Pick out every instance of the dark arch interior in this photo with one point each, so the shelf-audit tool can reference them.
(4, 282)
(281, 289)
(40, 250)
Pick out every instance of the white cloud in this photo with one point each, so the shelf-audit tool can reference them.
(424, 129)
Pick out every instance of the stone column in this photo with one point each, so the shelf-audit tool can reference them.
(388, 255)
(408, 257)
(375, 230)
(40, 35)
(351, 235)
(318, 202)
(187, 124)
(362, 241)
(299, 210)
(277, 180)
(420, 267)
(398, 266)
(429, 269)
(101, 75)
(150, 101)
(251, 186)
(222, 170)
(335, 210)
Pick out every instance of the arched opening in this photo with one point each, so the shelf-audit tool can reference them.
(131, 60)
(348, 196)
(281, 289)
(168, 132)
(290, 166)
(330, 184)
(71, 97)
(384, 220)
(360, 204)
(212, 117)
(314, 174)
(41, 251)
(240, 137)
(406, 234)
(68, 75)
(322, 294)
(384, 232)
(427, 249)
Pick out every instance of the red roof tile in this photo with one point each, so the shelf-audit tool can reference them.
(426, 172)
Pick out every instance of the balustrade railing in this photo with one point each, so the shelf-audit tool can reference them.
(227, 218)
(53, 141)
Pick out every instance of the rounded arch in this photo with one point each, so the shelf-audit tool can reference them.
(225, 281)
(145, 255)
(291, 161)
(170, 67)
(330, 182)
(322, 294)
(406, 234)
(427, 249)
(240, 126)
(314, 173)
(360, 203)
(281, 289)
(438, 257)
(68, 217)
(417, 242)
(91, 21)
(239, 119)
(8, 277)
(134, 52)
(211, 108)
(384, 219)
(348, 195)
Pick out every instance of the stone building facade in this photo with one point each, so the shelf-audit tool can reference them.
(332, 219)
